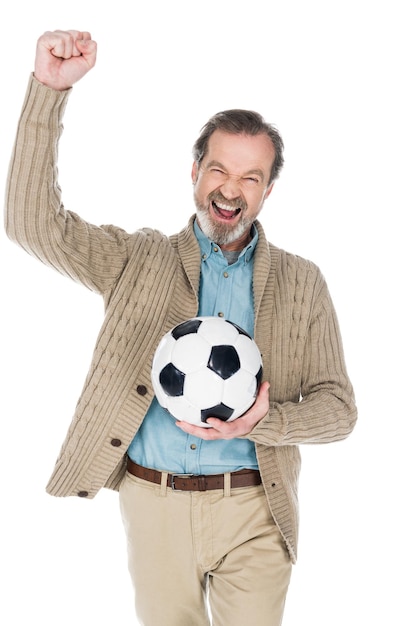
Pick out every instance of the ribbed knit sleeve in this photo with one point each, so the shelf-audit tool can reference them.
(35, 217)
(312, 399)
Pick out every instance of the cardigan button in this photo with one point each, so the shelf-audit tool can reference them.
(116, 443)
(141, 390)
(83, 494)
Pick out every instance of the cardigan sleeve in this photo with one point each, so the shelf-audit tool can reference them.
(325, 410)
(35, 217)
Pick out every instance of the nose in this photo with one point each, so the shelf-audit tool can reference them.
(230, 188)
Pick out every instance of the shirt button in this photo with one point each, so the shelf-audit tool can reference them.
(193, 446)
(220, 314)
(204, 256)
(226, 274)
(215, 249)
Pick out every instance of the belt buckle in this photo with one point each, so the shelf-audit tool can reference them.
(174, 476)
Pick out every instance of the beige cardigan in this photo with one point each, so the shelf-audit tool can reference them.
(150, 283)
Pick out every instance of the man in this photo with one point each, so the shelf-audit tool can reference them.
(205, 509)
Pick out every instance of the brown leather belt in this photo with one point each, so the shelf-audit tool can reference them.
(196, 482)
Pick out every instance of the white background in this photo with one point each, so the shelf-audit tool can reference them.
(339, 80)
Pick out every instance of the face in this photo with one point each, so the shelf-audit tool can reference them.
(230, 186)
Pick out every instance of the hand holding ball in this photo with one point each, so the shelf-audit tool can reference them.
(206, 367)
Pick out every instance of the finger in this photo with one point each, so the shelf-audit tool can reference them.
(62, 43)
(216, 423)
(197, 431)
(223, 430)
(59, 43)
(88, 49)
(79, 37)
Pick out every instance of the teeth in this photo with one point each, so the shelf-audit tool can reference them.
(225, 207)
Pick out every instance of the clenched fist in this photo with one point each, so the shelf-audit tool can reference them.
(63, 57)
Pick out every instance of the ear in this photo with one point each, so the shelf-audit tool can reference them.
(195, 172)
(268, 191)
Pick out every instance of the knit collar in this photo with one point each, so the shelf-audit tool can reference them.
(188, 248)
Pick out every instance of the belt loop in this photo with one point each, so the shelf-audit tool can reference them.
(163, 484)
(227, 485)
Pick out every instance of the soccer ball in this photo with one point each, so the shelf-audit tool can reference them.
(206, 367)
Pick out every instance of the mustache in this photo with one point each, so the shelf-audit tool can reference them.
(236, 203)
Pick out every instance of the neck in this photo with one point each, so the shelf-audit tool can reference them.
(239, 244)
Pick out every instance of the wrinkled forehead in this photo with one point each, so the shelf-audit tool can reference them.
(240, 153)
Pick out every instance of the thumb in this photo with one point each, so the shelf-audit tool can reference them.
(264, 388)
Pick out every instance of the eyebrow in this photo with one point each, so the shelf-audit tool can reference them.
(257, 171)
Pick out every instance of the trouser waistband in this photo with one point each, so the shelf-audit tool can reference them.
(196, 482)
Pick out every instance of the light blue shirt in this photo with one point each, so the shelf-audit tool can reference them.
(225, 290)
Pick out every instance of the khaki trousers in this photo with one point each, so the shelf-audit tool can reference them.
(186, 547)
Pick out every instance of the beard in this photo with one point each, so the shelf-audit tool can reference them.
(222, 233)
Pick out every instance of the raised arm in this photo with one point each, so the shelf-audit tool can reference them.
(35, 217)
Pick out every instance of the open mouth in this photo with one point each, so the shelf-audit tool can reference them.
(225, 211)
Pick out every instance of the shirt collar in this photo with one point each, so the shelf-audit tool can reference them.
(207, 246)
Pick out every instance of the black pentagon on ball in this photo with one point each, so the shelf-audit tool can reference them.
(186, 328)
(221, 411)
(172, 380)
(224, 361)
